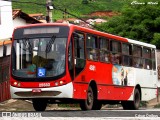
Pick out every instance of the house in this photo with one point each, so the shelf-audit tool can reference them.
(39, 16)
(99, 21)
(6, 24)
(20, 18)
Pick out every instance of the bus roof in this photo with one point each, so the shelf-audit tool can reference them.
(141, 43)
(103, 34)
(119, 37)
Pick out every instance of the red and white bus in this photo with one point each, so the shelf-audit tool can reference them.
(67, 63)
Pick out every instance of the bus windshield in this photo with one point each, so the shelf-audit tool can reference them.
(38, 57)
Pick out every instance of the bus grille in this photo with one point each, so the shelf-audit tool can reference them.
(43, 93)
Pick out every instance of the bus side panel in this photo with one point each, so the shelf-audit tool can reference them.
(100, 73)
(107, 90)
(114, 92)
(147, 80)
(80, 90)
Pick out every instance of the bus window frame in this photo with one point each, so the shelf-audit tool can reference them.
(107, 50)
(113, 58)
(92, 50)
(153, 57)
(134, 56)
(129, 55)
(145, 58)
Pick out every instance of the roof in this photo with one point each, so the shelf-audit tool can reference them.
(5, 42)
(37, 14)
(29, 19)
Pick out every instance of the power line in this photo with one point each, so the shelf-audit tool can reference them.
(78, 18)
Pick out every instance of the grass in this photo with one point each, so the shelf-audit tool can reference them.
(75, 7)
(157, 106)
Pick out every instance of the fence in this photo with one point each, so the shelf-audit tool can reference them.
(4, 78)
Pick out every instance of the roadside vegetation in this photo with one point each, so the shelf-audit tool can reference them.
(138, 22)
(76, 7)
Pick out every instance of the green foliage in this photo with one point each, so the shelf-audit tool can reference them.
(157, 106)
(84, 1)
(138, 22)
(69, 105)
(156, 39)
(75, 7)
(143, 104)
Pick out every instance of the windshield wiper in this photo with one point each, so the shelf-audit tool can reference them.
(49, 45)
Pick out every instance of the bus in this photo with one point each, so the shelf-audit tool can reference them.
(66, 63)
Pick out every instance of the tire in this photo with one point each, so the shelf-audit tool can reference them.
(132, 105)
(125, 105)
(87, 104)
(39, 104)
(97, 105)
(137, 99)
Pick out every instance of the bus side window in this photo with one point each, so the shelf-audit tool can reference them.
(104, 51)
(92, 47)
(115, 55)
(126, 57)
(147, 62)
(137, 54)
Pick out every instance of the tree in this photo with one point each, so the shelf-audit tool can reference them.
(156, 39)
(84, 1)
(138, 22)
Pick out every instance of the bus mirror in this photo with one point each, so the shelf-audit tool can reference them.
(4, 50)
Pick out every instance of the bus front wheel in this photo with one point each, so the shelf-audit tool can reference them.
(87, 104)
(39, 104)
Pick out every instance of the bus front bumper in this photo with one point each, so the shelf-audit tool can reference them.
(65, 91)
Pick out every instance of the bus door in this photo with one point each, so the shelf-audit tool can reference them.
(4, 72)
(78, 62)
(79, 56)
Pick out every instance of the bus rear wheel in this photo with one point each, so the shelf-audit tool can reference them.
(132, 105)
(87, 104)
(39, 104)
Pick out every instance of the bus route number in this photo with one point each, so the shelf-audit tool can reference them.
(92, 67)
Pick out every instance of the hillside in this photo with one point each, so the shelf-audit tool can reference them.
(73, 6)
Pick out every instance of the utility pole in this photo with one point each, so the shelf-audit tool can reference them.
(49, 9)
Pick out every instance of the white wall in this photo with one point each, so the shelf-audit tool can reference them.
(6, 22)
(18, 22)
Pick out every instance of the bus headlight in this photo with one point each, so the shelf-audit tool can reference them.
(61, 82)
(16, 84)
